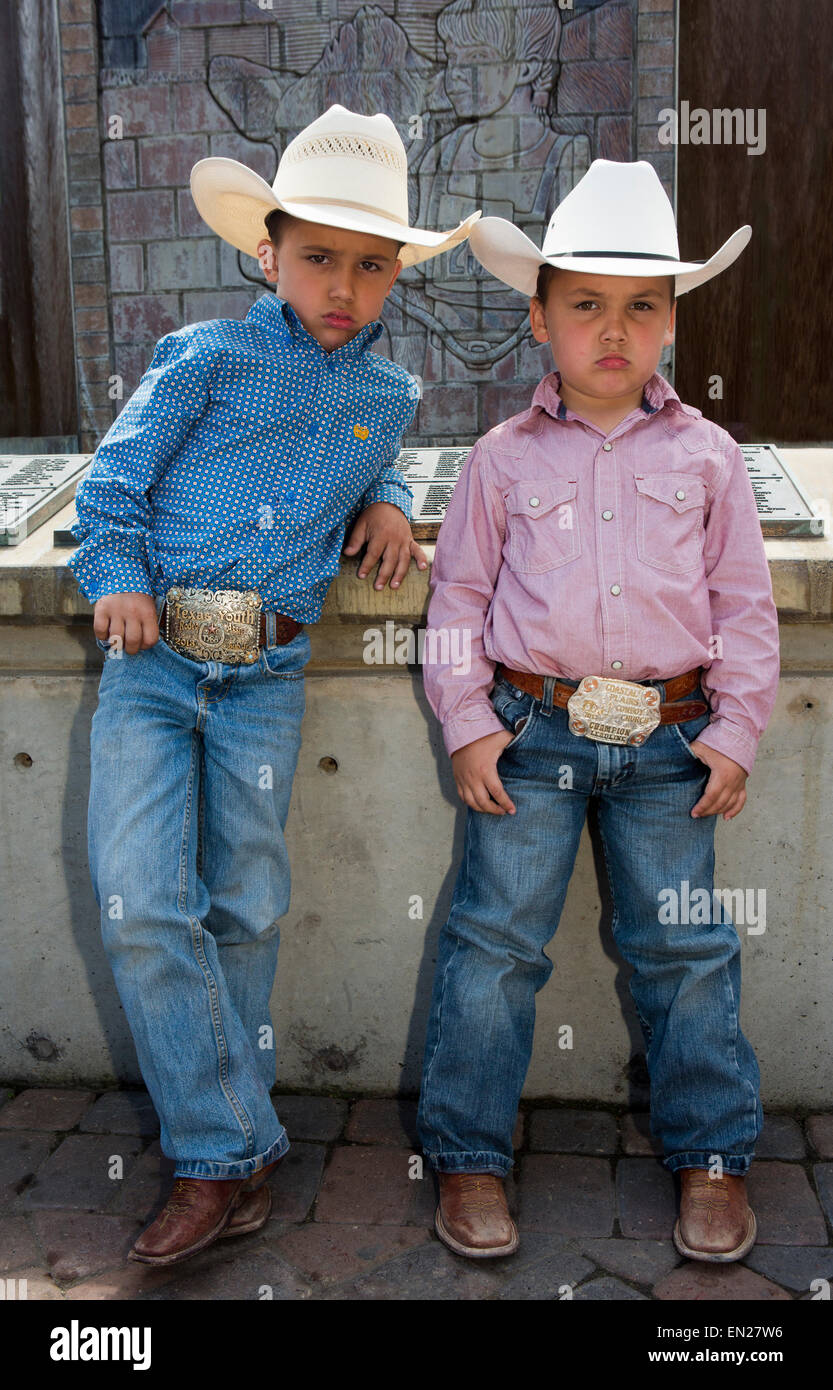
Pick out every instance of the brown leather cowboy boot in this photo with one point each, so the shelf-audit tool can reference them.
(715, 1221)
(195, 1214)
(252, 1213)
(473, 1217)
(255, 1204)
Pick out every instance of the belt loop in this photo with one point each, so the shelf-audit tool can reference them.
(546, 699)
(270, 627)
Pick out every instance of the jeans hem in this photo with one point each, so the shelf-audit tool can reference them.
(736, 1165)
(481, 1161)
(243, 1168)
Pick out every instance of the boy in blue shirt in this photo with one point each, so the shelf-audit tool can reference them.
(212, 519)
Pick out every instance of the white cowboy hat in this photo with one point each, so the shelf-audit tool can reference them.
(344, 170)
(617, 220)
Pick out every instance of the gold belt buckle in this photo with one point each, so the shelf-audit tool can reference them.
(214, 624)
(613, 711)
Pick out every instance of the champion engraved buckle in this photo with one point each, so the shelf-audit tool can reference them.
(214, 624)
(613, 711)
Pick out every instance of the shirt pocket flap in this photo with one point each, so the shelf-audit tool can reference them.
(678, 491)
(536, 499)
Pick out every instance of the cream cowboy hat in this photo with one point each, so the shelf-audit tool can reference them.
(344, 170)
(617, 220)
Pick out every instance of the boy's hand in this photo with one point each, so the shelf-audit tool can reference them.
(475, 772)
(131, 617)
(726, 788)
(388, 534)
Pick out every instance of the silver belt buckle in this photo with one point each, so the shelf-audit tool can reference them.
(613, 711)
(214, 624)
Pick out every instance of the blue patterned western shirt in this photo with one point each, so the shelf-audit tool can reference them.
(239, 460)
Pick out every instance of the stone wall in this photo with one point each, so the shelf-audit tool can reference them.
(151, 89)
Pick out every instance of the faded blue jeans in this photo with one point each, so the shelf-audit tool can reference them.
(506, 906)
(191, 768)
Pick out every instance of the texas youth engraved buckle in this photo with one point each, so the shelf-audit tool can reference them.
(613, 711)
(214, 624)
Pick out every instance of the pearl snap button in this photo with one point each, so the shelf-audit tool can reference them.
(679, 493)
(614, 589)
(607, 448)
(616, 665)
(608, 516)
(534, 501)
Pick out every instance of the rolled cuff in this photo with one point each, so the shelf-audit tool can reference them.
(735, 742)
(389, 492)
(207, 1168)
(103, 574)
(458, 732)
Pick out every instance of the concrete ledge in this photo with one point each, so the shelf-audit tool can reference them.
(375, 837)
(35, 583)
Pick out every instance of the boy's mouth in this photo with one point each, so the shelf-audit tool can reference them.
(336, 320)
(613, 360)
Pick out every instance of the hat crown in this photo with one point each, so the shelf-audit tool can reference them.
(344, 157)
(615, 207)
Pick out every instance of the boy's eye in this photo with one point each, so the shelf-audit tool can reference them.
(641, 304)
(587, 304)
(369, 265)
(317, 257)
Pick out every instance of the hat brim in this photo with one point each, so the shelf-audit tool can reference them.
(234, 202)
(509, 254)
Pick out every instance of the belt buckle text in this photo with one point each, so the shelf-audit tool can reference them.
(214, 624)
(613, 711)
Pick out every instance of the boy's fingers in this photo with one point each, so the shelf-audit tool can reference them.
(356, 537)
(132, 636)
(704, 807)
(467, 792)
(736, 806)
(150, 632)
(494, 785)
(481, 801)
(486, 793)
(715, 799)
(403, 564)
(371, 555)
(390, 555)
(419, 555)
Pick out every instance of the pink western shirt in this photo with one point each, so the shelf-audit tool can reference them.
(637, 554)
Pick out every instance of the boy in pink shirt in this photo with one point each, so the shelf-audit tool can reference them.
(608, 539)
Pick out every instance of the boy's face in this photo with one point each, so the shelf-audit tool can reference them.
(606, 332)
(336, 281)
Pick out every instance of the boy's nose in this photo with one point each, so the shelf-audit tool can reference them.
(342, 287)
(614, 327)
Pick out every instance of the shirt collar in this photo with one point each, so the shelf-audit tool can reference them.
(656, 393)
(276, 316)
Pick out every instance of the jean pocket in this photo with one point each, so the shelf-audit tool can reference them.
(542, 526)
(515, 709)
(690, 729)
(273, 661)
(670, 509)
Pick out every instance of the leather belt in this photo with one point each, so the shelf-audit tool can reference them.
(669, 713)
(285, 628)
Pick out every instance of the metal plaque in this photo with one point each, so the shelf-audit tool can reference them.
(431, 475)
(33, 487)
(783, 506)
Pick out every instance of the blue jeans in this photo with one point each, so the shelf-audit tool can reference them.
(191, 771)
(506, 907)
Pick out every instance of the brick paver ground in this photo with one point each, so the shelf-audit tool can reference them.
(82, 1173)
